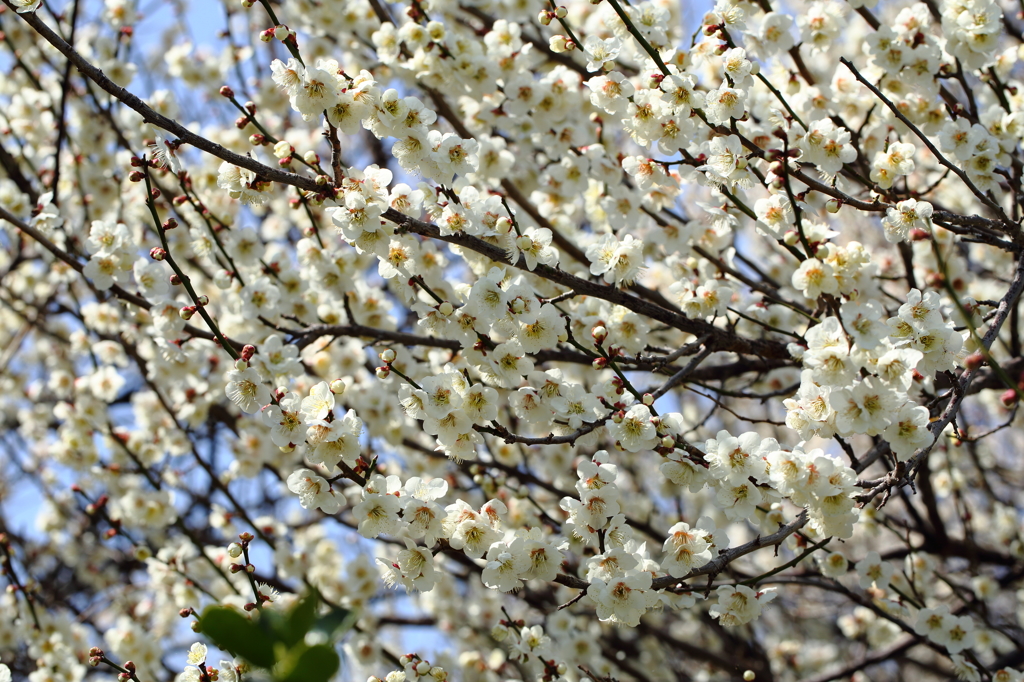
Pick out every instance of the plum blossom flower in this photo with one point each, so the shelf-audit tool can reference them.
(245, 388)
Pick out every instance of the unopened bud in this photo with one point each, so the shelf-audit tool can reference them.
(257, 139)
(283, 149)
(388, 355)
(337, 387)
(202, 300)
(544, 17)
(187, 312)
(446, 308)
(157, 253)
(503, 225)
(241, 365)
(668, 442)
(558, 43)
(248, 351)
(311, 157)
(791, 238)
(267, 35)
(648, 399)
(599, 363)
(833, 205)
(561, 12)
(322, 180)
(225, 91)
(749, 676)
(974, 361)
(137, 176)
(599, 333)
(1008, 398)
(383, 372)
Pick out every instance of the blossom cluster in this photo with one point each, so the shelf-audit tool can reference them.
(615, 348)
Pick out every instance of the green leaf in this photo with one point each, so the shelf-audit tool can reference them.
(336, 621)
(231, 631)
(299, 620)
(317, 663)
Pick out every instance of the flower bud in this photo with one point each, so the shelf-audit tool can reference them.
(558, 43)
(974, 361)
(157, 253)
(267, 35)
(648, 399)
(283, 149)
(223, 279)
(337, 387)
(446, 308)
(422, 668)
(248, 3)
(599, 333)
(388, 355)
(561, 12)
(383, 372)
(187, 312)
(791, 238)
(322, 180)
(668, 442)
(248, 351)
(503, 225)
(1008, 398)
(226, 91)
(544, 17)
(748, 676)
(137, 176)
(234, 550)
(241, 365)
(599, 363)
(257, 140)
(203, 300)
(311, 157)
